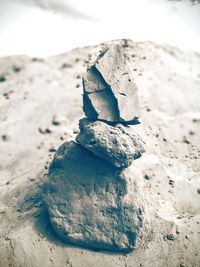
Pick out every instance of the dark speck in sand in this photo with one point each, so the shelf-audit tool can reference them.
(2, 79)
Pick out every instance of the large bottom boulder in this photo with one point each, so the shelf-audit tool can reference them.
(85, 198)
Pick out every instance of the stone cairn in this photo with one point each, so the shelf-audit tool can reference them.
(86, 188)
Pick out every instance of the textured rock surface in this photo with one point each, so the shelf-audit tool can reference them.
(85, 199)
(110, 92)
(119, 145)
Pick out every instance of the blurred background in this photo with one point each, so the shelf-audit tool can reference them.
(49, 27)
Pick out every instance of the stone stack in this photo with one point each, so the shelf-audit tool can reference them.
(86, 188)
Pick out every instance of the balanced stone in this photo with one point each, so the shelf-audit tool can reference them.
(85, 198)
(110, 93)
(118, 144)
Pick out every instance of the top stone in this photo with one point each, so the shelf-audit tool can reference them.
(110, 93)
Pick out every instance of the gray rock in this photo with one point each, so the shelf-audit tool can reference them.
(119, 144)
(85, 197)
(110, 93)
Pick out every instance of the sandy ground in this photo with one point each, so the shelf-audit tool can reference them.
(37, 90)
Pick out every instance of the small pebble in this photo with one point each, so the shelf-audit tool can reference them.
(58, 120)
(44, 131)
(146, 177)
(185, 140)
(16, 69)
(52, 149)
(5, 137)
(169, 237)
(2, 79)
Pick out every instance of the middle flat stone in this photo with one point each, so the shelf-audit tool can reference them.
(119, 144)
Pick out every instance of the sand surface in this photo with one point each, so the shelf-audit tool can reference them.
(167, 175)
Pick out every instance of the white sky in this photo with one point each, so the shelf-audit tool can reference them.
(40, 31)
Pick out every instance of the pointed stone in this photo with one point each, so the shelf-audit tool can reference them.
(110, 93)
